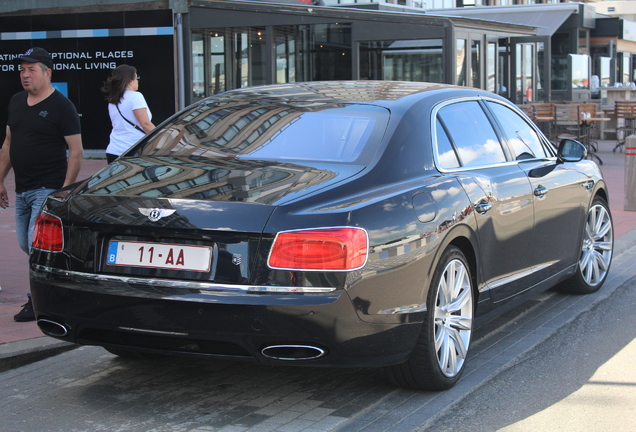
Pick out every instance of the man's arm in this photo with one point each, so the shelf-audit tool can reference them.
(75, 157)
(5, 167)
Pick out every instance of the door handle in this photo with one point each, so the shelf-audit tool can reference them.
(483, 208)
(540, 191)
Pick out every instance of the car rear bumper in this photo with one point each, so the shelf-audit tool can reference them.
(178, 317)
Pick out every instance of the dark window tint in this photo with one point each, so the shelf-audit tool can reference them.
(523, 140)
(472, 134)
(245, 130)
(336, 135)
(445, 151)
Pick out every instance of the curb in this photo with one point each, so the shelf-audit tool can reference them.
(22, 353)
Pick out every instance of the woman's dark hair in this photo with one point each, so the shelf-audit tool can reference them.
(115, 85)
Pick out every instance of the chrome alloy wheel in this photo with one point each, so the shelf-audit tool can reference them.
(453, 318)
(596, 252)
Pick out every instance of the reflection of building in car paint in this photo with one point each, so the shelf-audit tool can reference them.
(232, 180)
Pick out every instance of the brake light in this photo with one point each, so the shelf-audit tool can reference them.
(320, 249)
(48, 234)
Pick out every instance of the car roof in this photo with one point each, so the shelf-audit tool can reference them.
(382, 93)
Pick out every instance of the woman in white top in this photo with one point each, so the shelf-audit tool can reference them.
(128, 110)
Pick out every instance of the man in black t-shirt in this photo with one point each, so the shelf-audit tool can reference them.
(42, 124)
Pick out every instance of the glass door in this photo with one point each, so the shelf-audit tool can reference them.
(217, 81)
(287, 44)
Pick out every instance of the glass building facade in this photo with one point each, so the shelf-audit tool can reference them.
(204, 47)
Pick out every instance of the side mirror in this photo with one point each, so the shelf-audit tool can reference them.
(571, 151)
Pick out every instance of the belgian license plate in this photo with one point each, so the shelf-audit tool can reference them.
(159, 255)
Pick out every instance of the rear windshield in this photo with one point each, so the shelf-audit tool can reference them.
(328, 132)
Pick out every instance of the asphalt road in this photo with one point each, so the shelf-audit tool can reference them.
(582, 378)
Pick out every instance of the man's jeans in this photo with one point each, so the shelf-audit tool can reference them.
(27, 208)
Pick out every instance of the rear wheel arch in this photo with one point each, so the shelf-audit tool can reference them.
(468, 249)
(438, 358)
(465, 239)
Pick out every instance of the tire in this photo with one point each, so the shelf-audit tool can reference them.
(596, 251)
(438, 359)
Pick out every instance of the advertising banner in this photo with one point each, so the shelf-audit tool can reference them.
(85, 48)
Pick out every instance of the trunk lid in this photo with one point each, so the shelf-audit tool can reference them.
(222, 205)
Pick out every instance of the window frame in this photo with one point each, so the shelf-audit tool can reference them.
(503, 141)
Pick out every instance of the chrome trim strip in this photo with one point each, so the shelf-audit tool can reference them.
(511, 278)
(508, 279)
(205, 287)
(404, 309)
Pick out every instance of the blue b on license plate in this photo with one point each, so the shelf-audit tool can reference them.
(159, 255)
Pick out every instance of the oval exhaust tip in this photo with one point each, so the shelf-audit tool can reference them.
(293, 352)
(52, 328)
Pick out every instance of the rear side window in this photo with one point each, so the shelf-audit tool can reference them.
(523, 140)
(471, 134)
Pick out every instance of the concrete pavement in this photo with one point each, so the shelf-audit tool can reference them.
(21, 343)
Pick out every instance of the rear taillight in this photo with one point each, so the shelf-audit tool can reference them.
(48, 234)
(320, 249)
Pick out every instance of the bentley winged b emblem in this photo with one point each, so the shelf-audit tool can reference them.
(154, 214)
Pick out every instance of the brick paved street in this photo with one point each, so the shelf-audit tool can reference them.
(88, 389)
(14, 275)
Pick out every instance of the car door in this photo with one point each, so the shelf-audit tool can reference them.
(468, 147)
(559, 193)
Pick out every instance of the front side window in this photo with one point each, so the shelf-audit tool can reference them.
(523, 140)
(471, 134)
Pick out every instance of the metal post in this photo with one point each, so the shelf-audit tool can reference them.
(180, 63)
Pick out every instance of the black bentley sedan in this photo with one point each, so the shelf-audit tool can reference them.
(368, 223)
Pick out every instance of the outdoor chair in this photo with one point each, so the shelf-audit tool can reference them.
(544, 117)
(568, 122)
(625, 110)
(527, 109)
